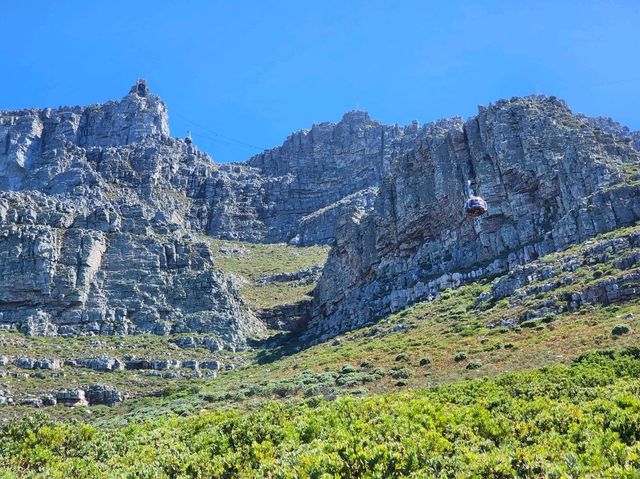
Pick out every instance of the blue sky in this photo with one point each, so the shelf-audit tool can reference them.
(244, 75)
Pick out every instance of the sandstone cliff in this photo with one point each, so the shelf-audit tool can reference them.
(551, 178)
(104, 217)
(96, 229)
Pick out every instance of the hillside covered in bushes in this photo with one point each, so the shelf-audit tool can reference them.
(581, 420)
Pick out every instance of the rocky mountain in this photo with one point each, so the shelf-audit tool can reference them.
(103, 214)
(551, 178)
(106, 220)
(97, 234)
(325, 172)
(611, 126)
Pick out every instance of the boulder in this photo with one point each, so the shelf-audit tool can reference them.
(71, 397)
(103, 394)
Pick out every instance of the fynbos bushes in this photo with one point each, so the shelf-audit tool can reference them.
(557, 422)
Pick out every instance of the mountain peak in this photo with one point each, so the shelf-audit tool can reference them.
(355, 116)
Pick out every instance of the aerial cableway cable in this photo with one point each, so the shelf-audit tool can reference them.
(223, 139)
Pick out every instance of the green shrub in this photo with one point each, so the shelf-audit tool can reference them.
(531, 323)
(352, 379)
(425, 362)
(460, 357)
(474, 365)
(580, 420)
(348, 368)
(620, 330)
(312, 391)
(401, 373)
(548, 318)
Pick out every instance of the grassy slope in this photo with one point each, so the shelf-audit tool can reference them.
(414, 348)
(250, 262)
(419, 346)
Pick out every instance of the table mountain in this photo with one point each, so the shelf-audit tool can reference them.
(105, 219)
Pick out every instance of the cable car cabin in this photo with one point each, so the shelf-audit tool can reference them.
(475, 206)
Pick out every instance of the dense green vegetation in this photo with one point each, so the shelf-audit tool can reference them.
(581, 420)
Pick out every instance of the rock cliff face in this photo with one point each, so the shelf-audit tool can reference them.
(29, 138)
(611, 126)
(328, 169)
(104, 217)
(296, 192)
(97, 233)
(103, 214)
(551, 178)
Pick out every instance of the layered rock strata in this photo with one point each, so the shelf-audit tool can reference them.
(550, 178)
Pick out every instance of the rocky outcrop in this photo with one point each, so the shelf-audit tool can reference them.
(550, 178)
(609, 125)
(97, 222)
(102, 394)
(316, 170)
(304, 276)
(31, 363)
(106, 364)
(287, 317)
(320, 226)
(72, 398)
(102, 363)
(191, 342)
(602, 271)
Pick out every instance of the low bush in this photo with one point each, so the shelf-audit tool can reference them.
(425, 362)
(460, 357)
(620, 330)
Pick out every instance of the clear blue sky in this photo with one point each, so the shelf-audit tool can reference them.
(255, 71)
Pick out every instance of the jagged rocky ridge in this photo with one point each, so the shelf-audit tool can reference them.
(104, 216)
(551, 178)
(96, 231)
